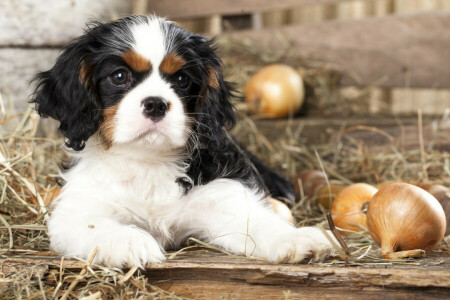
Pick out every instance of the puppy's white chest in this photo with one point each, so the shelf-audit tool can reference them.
(153, 190)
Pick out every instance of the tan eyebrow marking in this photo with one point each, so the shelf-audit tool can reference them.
(171, 63)
(136, 61)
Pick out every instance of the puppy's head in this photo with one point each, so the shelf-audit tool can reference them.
(140, 80)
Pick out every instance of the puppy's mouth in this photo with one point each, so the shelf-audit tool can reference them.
(153, 129)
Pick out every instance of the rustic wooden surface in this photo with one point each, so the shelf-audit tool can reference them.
(375, 132)
(32, 32)
(208, 275)
(397, 51)
(19, 66)
(204, 8)
(52, 23)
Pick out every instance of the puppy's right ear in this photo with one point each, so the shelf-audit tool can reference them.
(66, 93)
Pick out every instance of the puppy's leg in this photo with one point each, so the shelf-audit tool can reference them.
(229, 215)
(76, 227)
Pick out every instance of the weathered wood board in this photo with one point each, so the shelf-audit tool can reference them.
(396, 51)
(208, 275)
(19, 66)
(52, 23)
(204, 8)
(376, 132)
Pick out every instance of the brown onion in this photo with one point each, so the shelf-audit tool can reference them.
(385, 183)
(405, 218)
(316, 188)
(348, 209)
(275, 91)
(307, 179)
(322, 194)
(442, 194)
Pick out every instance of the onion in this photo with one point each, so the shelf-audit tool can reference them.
(275, 91)
(322, 195)
(385, 183)
(348, 210)
(315, 187)
(281, 209)
(442, 194)
(307, 179)
(405, 218)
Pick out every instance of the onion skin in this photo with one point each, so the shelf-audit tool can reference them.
(322, 195)
(442, 194)
(315, 187)
(403, 217)
(385, 183)
(308, 179)
(348, 207)
(275, 91)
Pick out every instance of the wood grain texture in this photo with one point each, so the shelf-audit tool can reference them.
(19, 66)
(377, 133)
(204, 8)
(206, 275)
(52, 22)
(235, 290)
(396, 51)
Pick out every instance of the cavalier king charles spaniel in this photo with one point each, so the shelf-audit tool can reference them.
(144, 110)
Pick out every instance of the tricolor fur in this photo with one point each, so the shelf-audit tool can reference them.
(145, 110)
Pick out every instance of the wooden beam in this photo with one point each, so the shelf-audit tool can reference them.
(50, 23)
(204, 8)
(397, 51)
(377, 133)
(19, 66)
(209, 275)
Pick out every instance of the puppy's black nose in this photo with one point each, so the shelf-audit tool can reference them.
(155, 108)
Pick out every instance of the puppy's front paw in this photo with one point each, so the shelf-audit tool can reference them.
(129, 246)
(304, 243)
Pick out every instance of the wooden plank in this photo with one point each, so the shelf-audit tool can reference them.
(205, 290)
(204, 8)
(52, 22)
(206, 275)
(430, 101)
(399, 131)
(395, 51)
(18, 67)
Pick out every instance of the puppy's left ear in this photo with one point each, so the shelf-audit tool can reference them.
(66, 94)
(214, 110)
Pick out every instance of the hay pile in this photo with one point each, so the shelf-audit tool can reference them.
(29, 175)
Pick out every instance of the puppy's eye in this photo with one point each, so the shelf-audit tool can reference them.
(120, 78)
(183, 81)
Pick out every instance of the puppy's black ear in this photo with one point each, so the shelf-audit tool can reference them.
(214, 111)
(66, 94)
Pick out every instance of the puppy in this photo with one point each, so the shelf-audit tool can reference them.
(145, 110)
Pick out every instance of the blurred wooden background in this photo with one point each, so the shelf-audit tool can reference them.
(428, 35)
(412, 33)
